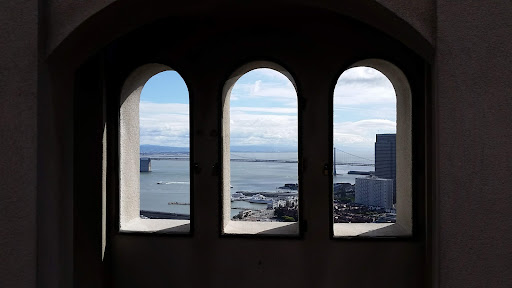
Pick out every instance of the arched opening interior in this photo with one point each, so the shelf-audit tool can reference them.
(260, 153)
(154, 151)
(314, 64)
(372, 191)
(165, 147)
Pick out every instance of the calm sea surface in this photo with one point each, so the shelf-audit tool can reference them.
(174, 187)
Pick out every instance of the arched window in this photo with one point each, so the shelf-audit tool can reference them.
(154, 152)
(372, 151)
(260, 124)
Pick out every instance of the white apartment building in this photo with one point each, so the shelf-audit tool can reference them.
(374, 191)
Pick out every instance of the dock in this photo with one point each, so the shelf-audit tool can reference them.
(163, 215)
(361, 172)
(269, 194)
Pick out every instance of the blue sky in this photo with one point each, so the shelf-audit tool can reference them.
(164, 111)
(364, 105)
(264, 110)
(263, 105)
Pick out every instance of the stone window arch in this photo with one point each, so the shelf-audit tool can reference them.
(129, 157)
(404, 193)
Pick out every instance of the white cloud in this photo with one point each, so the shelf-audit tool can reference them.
(274, 110)
(366, 112)
(361, 133)
(362, 86)
(270, 74)
(258, 129)
(360, 94)
(150, 108)
(256, 87)
(352, 95)
(164, 124)
(260, 88)
(362, 73)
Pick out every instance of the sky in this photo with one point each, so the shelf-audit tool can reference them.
(264, 110)
(164, 111)
(364, 105)
(263, 105)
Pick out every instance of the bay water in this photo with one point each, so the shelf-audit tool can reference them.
(167, 187)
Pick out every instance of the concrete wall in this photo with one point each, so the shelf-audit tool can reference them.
(66, 16)
(18, 132)
(206, 50)
(420, 14)
(472, 142)
(474, 101)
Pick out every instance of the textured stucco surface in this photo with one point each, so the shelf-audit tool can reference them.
(474, 101)
(420, 14)
(473, 144)
(18, 127)
(65, 16)
(206, 57)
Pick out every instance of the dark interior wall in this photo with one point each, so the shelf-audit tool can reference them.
(88, 173)
(18, 132)
(419, 14)
(55, 175)
(66, 16)
(62, 17)
(205, 51)
(472, 88)
(474, 101)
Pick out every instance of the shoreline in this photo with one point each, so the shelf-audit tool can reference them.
(163, 215)
(258, 216)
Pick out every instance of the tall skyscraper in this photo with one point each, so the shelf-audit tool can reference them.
(385, 158)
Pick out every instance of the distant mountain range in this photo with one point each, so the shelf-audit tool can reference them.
(161, 149)
(262, 148)
(145, 148)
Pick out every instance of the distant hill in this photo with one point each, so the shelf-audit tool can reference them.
(145, 148)
(262, 148)
(161, 149)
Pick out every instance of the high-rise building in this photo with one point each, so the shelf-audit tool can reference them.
(385, 158)
(374, 191)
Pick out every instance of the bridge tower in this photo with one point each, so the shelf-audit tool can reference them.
(334, 163)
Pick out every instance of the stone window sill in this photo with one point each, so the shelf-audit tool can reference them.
(371, 230)
(262, 228)
(160, 226)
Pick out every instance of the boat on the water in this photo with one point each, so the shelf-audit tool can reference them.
(177, 203)
(258, 198)
(238, 196)
(285, 193)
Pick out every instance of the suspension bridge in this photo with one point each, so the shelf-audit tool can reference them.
(340, 158)
(345, 158)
